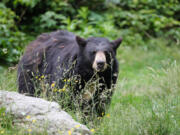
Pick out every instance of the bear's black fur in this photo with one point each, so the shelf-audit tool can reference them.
(61, 54)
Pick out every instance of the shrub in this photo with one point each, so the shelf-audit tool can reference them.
(149, 18)
(12, 40)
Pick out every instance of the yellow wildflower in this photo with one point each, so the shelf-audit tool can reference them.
(63, 89)
(3, 114)
(55, 90)
(2, 132)
(28, 117)
(36, 77)
(69, 80)
(77, 126)
(92, 130)
(34, 121)
(69, 132)
(29, 130)
(52, 85)
(108, 115)
(65, 80)
(60, 90)
(42, 76)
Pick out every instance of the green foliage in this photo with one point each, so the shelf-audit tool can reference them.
(90, 23)
(149, 18)
(50, 20)
(27, 3)
(11, 40)
(7, 79)
(84, 23)
(6, 122)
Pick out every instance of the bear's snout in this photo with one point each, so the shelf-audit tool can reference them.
(99, 63)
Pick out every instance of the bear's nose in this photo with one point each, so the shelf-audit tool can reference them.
(100, 64)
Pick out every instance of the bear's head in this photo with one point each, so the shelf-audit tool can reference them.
(98, 52)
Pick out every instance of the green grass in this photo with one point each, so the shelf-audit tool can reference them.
(145, 108)
(147, 97)
(8, 79)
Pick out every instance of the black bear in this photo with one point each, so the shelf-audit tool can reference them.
(61, 54)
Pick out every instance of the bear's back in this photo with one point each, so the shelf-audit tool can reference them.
(46, 40)
(61, 41)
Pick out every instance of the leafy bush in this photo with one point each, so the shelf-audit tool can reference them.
(12, 40)
(87, 23)
(50, 20)
(28, 3)
(150, 18)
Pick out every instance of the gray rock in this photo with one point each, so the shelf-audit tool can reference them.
(40, 115)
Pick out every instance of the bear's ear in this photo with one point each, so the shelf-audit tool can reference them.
(80, 41)
(116, 43)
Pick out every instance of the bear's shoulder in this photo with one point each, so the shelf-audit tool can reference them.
(49, 39)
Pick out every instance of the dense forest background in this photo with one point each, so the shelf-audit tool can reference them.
(137, 21)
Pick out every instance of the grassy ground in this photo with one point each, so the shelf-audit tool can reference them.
(147, 97)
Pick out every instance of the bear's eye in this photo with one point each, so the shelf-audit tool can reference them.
(93, 52)
(106, 52)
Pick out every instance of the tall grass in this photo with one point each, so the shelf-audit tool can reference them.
(154, 111)
(8, 79)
